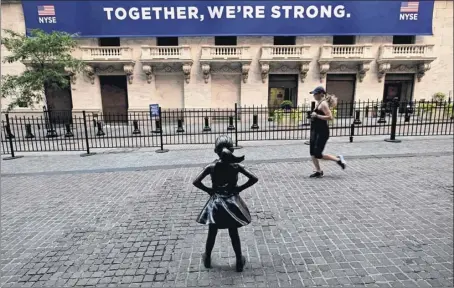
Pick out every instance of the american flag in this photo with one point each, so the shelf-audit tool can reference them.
(46, 10)
(409, 7)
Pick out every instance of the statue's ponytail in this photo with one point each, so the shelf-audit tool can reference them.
(227, 157)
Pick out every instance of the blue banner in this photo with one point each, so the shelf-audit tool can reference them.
(230, 18)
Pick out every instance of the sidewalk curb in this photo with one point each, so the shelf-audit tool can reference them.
(193, 165)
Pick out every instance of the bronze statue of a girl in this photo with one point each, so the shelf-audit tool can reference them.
(225, 209)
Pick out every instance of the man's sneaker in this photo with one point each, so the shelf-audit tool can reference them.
(341, 162)
(317, 174)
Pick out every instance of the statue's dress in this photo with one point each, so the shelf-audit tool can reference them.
(225, 208)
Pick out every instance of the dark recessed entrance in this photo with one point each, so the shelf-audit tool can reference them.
(282, 87)
(114, 96)
(343, 86)
(59, 101)
(400, 86)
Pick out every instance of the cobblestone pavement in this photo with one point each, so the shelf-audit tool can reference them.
(195, 155)
(383, 222)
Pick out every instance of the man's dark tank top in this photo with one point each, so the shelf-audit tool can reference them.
(319, 125)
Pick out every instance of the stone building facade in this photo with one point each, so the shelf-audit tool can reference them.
(197, 72)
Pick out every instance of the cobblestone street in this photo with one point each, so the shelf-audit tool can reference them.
(383, 222)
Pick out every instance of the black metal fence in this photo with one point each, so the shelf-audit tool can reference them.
(60, 131)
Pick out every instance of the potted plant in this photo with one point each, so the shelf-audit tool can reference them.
(439, 98)
(433, 110)
(286, 105)
(425, 110)
(286, 115)
(450, 111)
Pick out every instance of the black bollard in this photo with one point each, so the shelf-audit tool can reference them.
(158, 127)
(392, 138)
(366, 112)
(352, 132)
(95, 120)
(28, 131)
(8, 133)
(255, 120)
(382, 115)
(374, 111)
(231, 126)
(68, 133)
(357, 115)
(100, 131)
(180, 126)
(136, 131)
(407, 114)
(10, 138)
(270, 116)
(51, 133)
(308, 117)
(308, 113)
(206, 127)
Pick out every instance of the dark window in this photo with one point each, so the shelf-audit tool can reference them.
(109, 41)
(404, 40)
(343, 40)
(225, 40)
(284, 40)
(167, 41)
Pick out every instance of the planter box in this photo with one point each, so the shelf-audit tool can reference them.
(434, 114)
(287, 119)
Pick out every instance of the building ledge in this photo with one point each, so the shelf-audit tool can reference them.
(278, 55)
(407, 58)
(97, 58)
(106, 54)
(158, 54)
(285, 53)
(11, 2)
(345, 59)
(220, 55)
(166, 59)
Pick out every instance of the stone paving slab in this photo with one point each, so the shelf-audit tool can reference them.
(198, 154)
(383, 222)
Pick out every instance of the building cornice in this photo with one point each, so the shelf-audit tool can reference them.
(11, 1)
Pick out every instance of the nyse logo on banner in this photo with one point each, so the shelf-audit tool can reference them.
(46, 14)
(409, 10)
